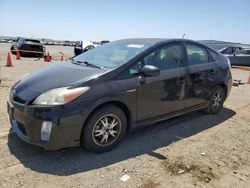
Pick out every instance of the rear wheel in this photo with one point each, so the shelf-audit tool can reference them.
(216, 101)
(104, 130)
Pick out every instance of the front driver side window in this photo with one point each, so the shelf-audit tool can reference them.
(166, 57)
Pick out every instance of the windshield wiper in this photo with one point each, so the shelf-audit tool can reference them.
(89, 64)
(85, 62)
(73, 61)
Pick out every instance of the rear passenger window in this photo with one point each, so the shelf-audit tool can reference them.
(196, 55)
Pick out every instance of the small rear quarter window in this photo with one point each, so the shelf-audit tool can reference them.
(213, 55)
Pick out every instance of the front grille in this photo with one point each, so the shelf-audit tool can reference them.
(21, 128)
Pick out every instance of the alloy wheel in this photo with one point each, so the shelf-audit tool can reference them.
(106, 130)
(216, 100)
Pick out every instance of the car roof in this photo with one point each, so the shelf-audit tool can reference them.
(153, 41)
(233, 46)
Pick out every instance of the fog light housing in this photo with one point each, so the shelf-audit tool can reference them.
(46, 130)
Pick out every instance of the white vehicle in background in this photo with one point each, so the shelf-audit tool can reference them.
(83, 46)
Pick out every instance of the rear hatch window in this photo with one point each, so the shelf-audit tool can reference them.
(32, 41)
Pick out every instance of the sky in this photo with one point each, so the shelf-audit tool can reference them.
(224, 20)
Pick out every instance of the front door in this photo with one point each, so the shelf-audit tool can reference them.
(165, 93)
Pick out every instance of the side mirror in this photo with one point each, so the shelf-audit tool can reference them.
(150, 71)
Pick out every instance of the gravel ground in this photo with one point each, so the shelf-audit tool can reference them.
(194, 150)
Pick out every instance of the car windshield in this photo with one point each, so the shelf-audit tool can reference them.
(113, 54)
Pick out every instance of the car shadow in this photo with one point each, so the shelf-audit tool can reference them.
(136, 143)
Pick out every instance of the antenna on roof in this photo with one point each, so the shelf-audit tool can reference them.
(183, 35)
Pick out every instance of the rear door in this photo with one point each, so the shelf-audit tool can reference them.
(201, 74)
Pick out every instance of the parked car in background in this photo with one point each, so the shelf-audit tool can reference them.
(104, 42)
(28, 47)
(50, 43)
(93, 99)
(68, 43)
(230, 50)
(241, 57)
(3, 40)
(83, 46)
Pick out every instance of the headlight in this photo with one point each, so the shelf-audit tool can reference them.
(59, 96)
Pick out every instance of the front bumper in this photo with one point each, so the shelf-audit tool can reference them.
(68, 121)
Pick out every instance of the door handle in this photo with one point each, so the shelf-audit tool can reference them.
(181, 80)
(212, 71)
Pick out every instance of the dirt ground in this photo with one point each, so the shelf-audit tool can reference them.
(194, 150)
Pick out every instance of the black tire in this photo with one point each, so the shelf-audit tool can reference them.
(91, 138)
(216, 101)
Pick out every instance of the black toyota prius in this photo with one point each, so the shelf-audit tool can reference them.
(93, 99)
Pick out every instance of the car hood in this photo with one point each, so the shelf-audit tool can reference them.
(54, 76)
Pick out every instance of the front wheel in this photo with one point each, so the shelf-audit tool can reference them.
(216, 101)
(104, 130)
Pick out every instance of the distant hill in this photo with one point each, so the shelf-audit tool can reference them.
(43, 40)
(211, 43)
(221, 44)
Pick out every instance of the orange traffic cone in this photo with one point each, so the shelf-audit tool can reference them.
(17, 55)
(47, 58)
(61, 57)
(248, 81)
(9, 62)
